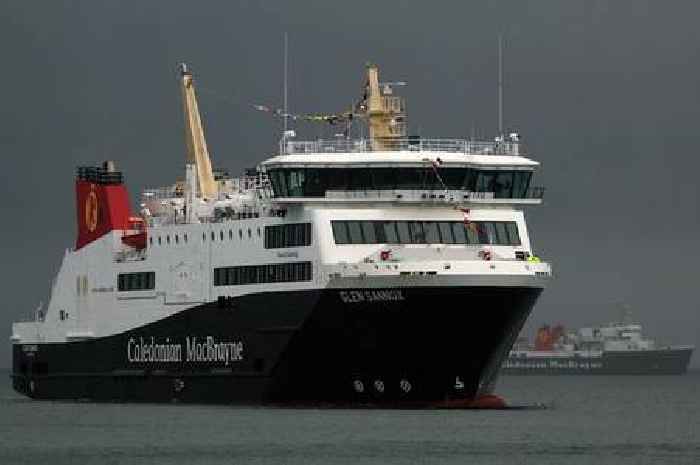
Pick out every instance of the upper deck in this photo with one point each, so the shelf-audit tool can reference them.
(410, 144)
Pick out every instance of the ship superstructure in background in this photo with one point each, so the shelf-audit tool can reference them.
(390, 270)
(614, 348)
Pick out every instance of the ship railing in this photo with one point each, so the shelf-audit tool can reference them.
(161, 193)
(429, 195)
(409, 144)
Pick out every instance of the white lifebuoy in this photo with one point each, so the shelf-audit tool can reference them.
(405, 386)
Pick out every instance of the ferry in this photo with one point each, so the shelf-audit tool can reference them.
(386, 269)
(618, 348)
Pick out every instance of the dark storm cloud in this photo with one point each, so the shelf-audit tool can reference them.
(604, 93)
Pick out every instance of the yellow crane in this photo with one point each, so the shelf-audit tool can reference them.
(197, 153)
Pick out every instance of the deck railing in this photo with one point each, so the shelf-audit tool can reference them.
(427, 195)
(467, 147)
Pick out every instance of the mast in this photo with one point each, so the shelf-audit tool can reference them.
(385, 112)
(197, 153)
(500, 85)
(286, 107)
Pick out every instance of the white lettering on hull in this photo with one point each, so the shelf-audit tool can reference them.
(205, 350)
(371, 295)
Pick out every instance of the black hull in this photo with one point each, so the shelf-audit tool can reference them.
(389, 346)
(672, 361)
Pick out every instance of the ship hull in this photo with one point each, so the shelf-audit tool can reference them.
(667, 361)
(395, 346)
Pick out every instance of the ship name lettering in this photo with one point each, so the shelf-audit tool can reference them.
(378, 295)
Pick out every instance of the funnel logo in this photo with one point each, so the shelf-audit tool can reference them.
(91, 211)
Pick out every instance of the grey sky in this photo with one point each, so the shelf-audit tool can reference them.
(605, 94)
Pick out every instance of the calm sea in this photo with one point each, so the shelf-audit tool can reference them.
(590, 420)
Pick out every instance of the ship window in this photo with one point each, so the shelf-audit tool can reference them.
(513, 237)
(141, 281)
(150, 240)
(355, 231)
(404, 236)
(459, 232)
(473, 231)
(204, 237)
(159, 241)
(521, 182)
(340, 232)
(432, 232)
(385, 178)
(484, 182)
(258, 232)
(263, 274)
(501, 233)
(213, 236)
(240, 234)
(368, 232)
(177, 239)
(446, 232)
(415, 229)
(184, 236)
(221, 235)
(167, 238)
(287, 235)
(503, 185)
(391, 235)
(230, 234)
(249, 233)
(491, 233)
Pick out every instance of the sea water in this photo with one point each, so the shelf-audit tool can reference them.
(588, 420)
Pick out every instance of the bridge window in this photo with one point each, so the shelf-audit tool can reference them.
(426, 232)
(288, 235)
(141, 281)
(315, 182)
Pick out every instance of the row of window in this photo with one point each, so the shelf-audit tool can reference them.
(261, 274)
(287, 235)
(426, 232)
(314, 182)
(141, 281)
(160, 240)
(221, 235)
(213, 235)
